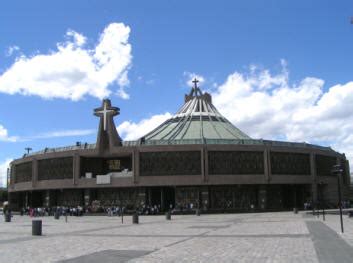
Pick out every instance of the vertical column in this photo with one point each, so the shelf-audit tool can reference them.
(269, 167)
(141, 196)
(87, 197)
(26, 200)
(13, 175)
(266, 166)
(47, 198)
(136, 165)
(34, 172)
(205, 198)
(205, 164)
(162, 199)
(76, 168)
(149, 196)
(313, 178)
(262, 194)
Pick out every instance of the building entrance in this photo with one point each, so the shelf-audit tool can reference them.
(162, 197)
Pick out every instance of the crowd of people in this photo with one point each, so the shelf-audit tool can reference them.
(51, 211)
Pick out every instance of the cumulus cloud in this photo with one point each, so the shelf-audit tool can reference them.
(267, 105)
(133, 131)
(46, 135)
(3, 171)
(4, 136)
(73, 70)
(11, 50)
(63, 133)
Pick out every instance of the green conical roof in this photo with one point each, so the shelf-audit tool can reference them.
(196, 119)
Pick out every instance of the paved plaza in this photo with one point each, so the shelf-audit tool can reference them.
(255, 237)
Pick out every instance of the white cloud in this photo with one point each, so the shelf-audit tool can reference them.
(266, 105)
(73, 71)
(133, 131)
(64, 133)
(4, 136)
(11, 50)
(3, 171)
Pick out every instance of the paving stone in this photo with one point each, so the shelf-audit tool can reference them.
(262, 237)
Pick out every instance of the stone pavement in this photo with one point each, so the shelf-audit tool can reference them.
(255, 237)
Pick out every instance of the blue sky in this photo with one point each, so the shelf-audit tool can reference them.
(270, 45)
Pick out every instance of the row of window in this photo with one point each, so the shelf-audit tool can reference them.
(184, 163)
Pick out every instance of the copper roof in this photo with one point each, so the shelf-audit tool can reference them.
(198, 118)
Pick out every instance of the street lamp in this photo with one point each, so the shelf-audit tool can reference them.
(337, 170)
(321, 184)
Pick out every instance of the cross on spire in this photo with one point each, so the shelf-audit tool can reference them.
(105, 110)
(195, 90)
(195, 81)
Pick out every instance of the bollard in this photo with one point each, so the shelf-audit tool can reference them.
(295, 210)
(7, 217)
(36, 227)
(168, 216)
(56, 215)
(135, 218)
(198, 212)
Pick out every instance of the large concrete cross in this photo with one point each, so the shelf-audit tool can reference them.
(104, 112)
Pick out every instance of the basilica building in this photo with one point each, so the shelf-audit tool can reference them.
(197, 158)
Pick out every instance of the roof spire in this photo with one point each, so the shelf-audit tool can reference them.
(195, 81)
(195, 91)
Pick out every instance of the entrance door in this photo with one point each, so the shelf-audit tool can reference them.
(169, 198)
(163, 197)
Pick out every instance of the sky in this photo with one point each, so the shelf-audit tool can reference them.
(278, 70)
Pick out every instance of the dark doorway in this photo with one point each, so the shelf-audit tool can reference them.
(169, 198)
(36, 199)
(162, 197)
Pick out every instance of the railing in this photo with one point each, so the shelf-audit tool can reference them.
(64, 149)
(187, 142)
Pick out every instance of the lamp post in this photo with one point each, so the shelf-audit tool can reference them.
(321, 184)
(337, 170)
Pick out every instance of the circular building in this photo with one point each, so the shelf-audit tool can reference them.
(195, 159)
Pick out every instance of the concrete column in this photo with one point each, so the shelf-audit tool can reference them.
(46, 198)
(136, 165)
(313, 177)
(266, 165)
(13, 175)
(203, 164)
(26, 200)
(205, 199)
(76, 168)
(34, 172)
(87, 197)
(262, 200)
(206, 175)
(149, 196)
(162, 199)
(141, 196)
